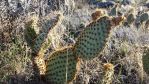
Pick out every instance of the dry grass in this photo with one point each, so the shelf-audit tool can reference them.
(15, 60)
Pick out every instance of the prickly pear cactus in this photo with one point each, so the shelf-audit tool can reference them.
(146, 62)
(29, 34)
(130, 19)
(43, 34)
(38, 42)
(144, 17)
(93, 39)
(59, 64)
(113, 11)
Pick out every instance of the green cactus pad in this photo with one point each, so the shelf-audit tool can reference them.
(29, 34)
(38, 42)
(146, 62)
(130, 19)
(42, 36)
(144, 17)
(113, 11)
(93, 39)
(56, 66)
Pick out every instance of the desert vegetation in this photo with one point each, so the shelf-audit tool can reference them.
(74, 42)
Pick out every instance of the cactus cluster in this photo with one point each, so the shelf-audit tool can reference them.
(61, 64)
(37, 41)
(34, 40)
(138, 20)
(89, 44)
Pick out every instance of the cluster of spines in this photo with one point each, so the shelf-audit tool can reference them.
(138, 20)
(108, 73)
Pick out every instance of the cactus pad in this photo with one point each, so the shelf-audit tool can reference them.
(56, 66)
(113, 11)
(146, 62)
(92, 40)
(29, 34)
(130, 19)
(144, 17)
(38, 42)
(42, 36)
